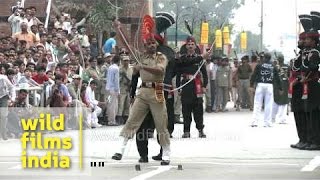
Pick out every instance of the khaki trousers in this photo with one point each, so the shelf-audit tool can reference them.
(145, 101)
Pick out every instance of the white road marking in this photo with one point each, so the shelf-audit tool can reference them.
(16, 167)
(213, 163)
(313, 164)
(160, 169)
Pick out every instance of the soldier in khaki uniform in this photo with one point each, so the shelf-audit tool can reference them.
(125, 81)
(93, 72)
(149, 98)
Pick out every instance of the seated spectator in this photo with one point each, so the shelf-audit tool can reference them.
(40, 77)
(59, 84)
(94, 104)
(18, 109)
(26, 79)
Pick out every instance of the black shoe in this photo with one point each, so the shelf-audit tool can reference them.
(186, 135)
(125, 118)
(143, 159)
(117, 156)
(201, 134)
(303, 146)
(165, 162)
(157, 157)
(4, 136)
(119, 120)
(296, 145)
(312, 147)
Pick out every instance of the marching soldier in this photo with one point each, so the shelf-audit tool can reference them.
(164, 20)
(192, 93)
(149, 98)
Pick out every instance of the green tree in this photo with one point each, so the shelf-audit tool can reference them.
(216, 12)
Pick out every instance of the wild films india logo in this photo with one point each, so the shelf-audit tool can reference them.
(33, 139)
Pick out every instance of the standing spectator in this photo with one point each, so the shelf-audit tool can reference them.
(113, 89)
(83, 37)
(223, 78)
(244, 73)
(213, 82)
(109, 46)
(235, 85)
(29, 37)
(264, 76)
(6, 92)
(94, 51)
(16, 19)
(208, 65)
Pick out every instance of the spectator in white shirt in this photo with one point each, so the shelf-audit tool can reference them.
(6, 92)
(92, 118)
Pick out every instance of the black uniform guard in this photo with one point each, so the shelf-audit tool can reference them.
(310, 66)
(191, 94)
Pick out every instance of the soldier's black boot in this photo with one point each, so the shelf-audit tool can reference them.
(157, 157)
(297, 145)
(201, 134)
(165, 162)
(143, 159)
(117, 156)
(125, 118)
(186, 135)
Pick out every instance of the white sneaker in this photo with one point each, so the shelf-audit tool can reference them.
(96, 125)
(267, 125)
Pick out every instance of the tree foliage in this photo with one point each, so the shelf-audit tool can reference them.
(216, 12)
(101, 12)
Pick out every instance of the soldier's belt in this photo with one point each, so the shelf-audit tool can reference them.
(158, 87)
(148, 84)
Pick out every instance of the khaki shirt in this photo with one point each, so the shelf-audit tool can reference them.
(156, 60)
(125, 79)
(93, 73)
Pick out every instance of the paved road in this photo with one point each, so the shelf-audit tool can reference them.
(232, 150)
